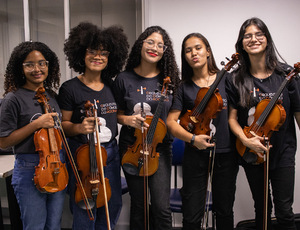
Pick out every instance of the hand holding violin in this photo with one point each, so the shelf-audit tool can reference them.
(45, 121)
(87, 125)
(255, 143)
(203, 142)
(136, 121)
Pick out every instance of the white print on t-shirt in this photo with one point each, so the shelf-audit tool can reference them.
(137, 109)
(251, 115)
(213, 128)
(105, 133)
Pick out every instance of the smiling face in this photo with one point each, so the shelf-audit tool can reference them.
(254, 41)
(95, 60)
(36, 76)
(196, 53)
(152, 50)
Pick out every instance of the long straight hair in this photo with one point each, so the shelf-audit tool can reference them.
(187, 70)
(242, 78)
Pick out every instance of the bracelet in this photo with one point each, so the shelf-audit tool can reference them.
(193, 139)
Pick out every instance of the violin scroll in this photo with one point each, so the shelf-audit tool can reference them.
(234, 60)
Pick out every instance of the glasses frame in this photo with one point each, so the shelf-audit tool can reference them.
(246, 38)
(94, 53)
(26, 67)
(152, 46)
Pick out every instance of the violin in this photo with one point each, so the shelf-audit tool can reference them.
(268, 117)
(146, 142)
(91, 158)
(51, 174)
(207, 104)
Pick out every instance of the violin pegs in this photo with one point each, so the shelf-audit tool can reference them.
(222, 63)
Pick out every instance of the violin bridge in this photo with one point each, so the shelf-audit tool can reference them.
(193, 119)
(144, 152)
(96, 181)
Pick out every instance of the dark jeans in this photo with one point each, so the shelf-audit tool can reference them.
(159, 189)
(195, 171)
(282, 182)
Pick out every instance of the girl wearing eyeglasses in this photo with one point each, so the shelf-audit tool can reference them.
(97, 55)
(138, 89)
(31, 65)
(259, 76)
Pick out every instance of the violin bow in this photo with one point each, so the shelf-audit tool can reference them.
(101, 168)
(145, 169)
(74, 168)
(266, 184)
(70, 157)
(211, 163)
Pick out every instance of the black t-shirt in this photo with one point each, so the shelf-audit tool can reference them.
(73, 94)
(130, 91)
(185, 100)
(284, 143)
(19, 109)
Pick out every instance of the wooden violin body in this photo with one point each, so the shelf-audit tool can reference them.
(132, 160)
(273, 122)
(207, 104)
(51, 174)
(90, 177)
(91, 159)
(268, 117)
(141, 159)
(198, 122)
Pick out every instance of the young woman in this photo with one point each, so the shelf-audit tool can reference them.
(150, 61)
(259, 76)
(97, 55)
(32, 65)
(199, 71)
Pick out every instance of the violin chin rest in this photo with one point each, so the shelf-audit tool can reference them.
(130, 169)
(82, 205)
(249, 157)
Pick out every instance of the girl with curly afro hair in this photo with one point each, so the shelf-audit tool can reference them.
(137, 89)
(97, 55)
(32, 65)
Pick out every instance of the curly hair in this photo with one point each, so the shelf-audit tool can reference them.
(87, 35)
(167, 64)
(186, 69)
(14, 75)
(241, 77)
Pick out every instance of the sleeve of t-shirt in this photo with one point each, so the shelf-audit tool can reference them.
(8, 116)
(65, 99)
(119, 91)
(178, 99)
(231, 92)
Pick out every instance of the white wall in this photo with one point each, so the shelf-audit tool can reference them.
(220, 21)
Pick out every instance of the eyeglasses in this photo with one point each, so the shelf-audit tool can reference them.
(151, 44)
(259, 36)
(94, 53)
(30, 66)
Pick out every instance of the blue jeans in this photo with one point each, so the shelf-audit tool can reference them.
(193, 193)
(159, 188)
(282, 181)
(39, 211)
(112, 172)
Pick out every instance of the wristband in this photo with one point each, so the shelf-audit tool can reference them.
(193, 139)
